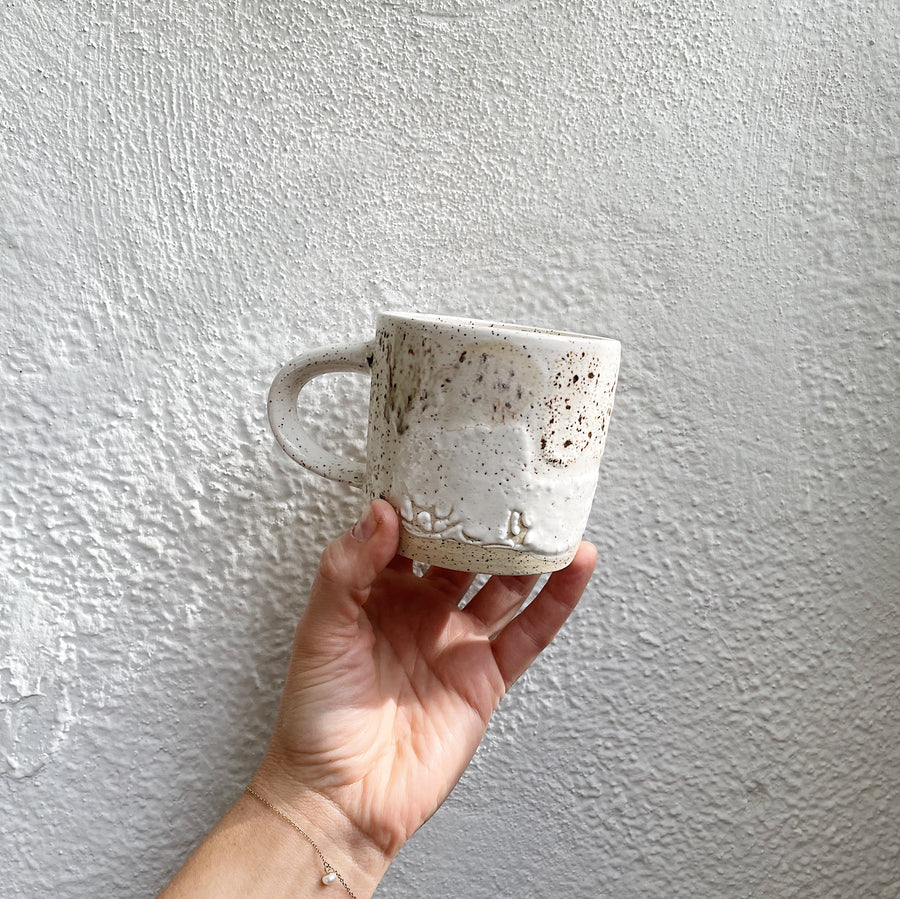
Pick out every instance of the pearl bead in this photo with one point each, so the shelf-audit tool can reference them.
(330, 877)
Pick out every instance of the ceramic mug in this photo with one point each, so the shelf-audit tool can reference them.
(485, 437)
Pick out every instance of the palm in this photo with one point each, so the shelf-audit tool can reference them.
(390, 693)
(393, 715)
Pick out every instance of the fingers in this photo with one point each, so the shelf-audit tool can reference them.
(499, 599)
(453, 583)
(351, 563)
(401, 565)
(521, 641)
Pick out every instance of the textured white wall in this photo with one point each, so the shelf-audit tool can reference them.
(190, 193)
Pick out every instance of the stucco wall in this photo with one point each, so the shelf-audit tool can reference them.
(190, 193)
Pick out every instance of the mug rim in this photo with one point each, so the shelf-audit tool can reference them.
(487, 326)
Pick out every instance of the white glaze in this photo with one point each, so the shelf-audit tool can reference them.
(480, 434)
(292, 437)
(470, 501)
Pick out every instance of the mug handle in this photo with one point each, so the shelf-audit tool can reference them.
(292, 437)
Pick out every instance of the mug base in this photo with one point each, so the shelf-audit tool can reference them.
(471, 557)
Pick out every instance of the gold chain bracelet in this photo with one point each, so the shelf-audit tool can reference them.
(330, 874)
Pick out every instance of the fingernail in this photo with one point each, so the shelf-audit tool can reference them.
(365, 527)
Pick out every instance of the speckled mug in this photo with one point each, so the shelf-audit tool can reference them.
(485, 437)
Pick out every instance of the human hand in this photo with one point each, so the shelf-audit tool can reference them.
(391, 685)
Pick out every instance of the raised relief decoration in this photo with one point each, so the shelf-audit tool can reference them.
(435, 522)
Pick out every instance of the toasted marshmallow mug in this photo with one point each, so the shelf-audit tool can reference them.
(485, 437)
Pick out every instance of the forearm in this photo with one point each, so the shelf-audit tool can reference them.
(252, 852)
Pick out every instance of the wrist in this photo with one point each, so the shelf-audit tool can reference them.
(322, 830)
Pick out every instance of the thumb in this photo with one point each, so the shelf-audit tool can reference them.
(351, 563)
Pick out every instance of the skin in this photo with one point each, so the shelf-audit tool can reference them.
(389, 692)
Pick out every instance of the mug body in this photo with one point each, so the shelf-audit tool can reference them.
(487, 438)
